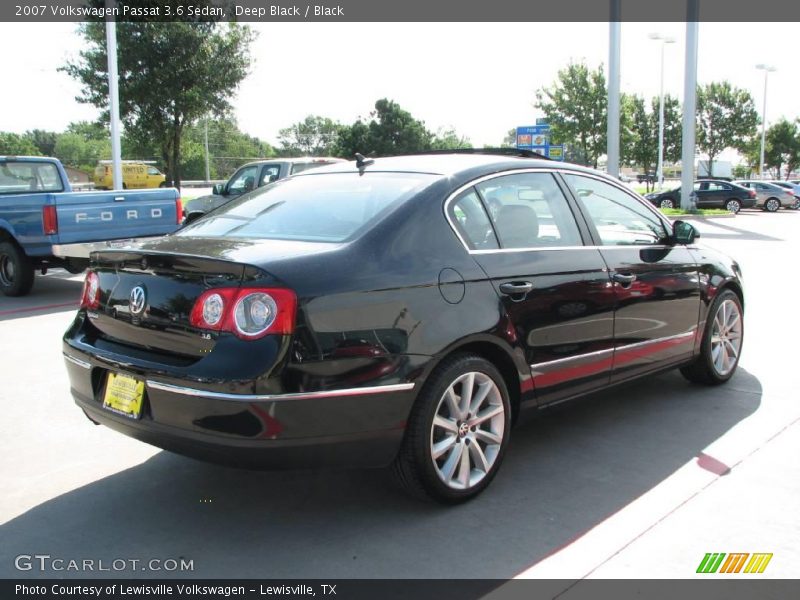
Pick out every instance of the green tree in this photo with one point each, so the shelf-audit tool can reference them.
(313, 136)
(510, 141)
(90, 130)
(782, 148)
(726, 118)
(228, 147)
(75, 150)
(45, 141)
(576, 108)
(639, 132)
(17, 145)
(170, 75)
(390, 131)
(448, 139)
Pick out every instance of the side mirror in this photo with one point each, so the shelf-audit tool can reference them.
(218, 189)
(684, 233)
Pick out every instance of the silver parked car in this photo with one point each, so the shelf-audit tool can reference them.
(770, 197)
(793, 188)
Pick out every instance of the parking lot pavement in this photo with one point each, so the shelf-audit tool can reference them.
(592, 489)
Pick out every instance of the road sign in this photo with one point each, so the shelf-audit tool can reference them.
(537, 138)
(533, 135)
(556, 152)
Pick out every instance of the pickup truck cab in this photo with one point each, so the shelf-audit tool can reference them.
(250, 177)
(44, 224)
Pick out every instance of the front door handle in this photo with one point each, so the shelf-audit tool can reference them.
(623, 279)
(516, 288)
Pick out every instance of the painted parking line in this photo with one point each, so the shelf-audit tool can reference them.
(15, 311)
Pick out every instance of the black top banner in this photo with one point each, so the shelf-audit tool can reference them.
(401, 10)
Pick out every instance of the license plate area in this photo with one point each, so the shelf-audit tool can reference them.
(124, 395)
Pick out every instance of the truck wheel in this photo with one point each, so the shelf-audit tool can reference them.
(16, 270)
(76, 266)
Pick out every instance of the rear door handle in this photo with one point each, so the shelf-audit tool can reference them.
(623, 279)
(516, 288)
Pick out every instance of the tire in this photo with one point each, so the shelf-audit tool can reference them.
(468, 457)
(163, 184)
(705, 368)
(124, 186)
(76, 266)
(16, 270)
(796, 205)
(667, 203)
(772, 205)
(733, 205)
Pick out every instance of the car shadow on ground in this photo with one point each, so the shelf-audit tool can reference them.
(565, 472)
(58, 291)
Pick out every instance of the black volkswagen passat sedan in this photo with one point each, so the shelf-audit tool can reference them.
(397, 311)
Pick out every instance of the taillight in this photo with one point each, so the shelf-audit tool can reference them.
(248, 313)
(179, 210)
(91, 291)
(50, 219)
(752, 194)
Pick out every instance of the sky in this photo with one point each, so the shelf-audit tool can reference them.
(478, 78)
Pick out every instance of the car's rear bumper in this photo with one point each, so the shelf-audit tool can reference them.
(360, 427)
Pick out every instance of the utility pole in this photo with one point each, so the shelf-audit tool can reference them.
(767, 70)
(205, 143)
(612, 132)
(689, 103)
(113, 97)
(660, 168)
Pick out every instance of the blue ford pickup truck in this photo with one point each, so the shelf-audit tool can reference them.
(44, 224)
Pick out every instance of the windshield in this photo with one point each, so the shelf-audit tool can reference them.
(315, 208)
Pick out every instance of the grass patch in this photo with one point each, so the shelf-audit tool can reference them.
(706, 212)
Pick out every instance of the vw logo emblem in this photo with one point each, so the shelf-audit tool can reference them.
(138, 298)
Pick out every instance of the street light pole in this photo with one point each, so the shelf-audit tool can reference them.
(767, 70)
(113, 98)
(660, 169)
(612, 126)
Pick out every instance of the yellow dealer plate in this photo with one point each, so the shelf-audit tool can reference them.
(124, 395)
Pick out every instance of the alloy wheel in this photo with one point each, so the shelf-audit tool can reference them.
(667, 203)
(733, 206)
(467, 431)
(726, 337)
(773, 205)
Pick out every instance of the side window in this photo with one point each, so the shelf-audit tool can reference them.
(244, 180)
(469, 217)
(153, 171)
(529, 210)
(269, 174)
(619, 218)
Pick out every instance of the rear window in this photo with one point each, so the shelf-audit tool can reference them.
(315, 208)
(25, 177)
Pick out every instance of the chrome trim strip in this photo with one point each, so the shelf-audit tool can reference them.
(569, 358)
(607, 350)
(77, 361)
(187, 391)
(649, 205)
(657, 340)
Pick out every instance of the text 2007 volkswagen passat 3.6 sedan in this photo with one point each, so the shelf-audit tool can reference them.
(396, 311)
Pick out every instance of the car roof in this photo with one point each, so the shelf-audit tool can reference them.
(448, 165)
(29, 158)
(295, 160)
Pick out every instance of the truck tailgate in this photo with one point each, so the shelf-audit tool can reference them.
(98, 216)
